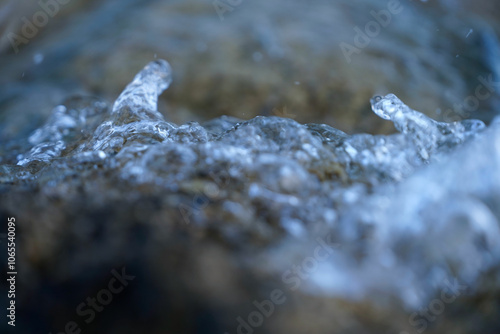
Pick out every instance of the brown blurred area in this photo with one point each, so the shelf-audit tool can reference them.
(264, 58)
(261, 58)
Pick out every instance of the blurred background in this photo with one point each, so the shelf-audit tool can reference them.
(248, 58)
(240, 58)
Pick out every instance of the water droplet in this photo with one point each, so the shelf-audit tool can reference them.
(38, 58)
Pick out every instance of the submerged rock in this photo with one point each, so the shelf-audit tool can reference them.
(211, 217)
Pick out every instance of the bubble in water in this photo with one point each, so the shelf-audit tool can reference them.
(289, 178)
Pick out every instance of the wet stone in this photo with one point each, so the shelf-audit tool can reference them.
(404, 213)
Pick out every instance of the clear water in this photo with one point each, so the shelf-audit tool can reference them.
(407, 211)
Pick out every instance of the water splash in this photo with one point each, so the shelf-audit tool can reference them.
(294, 179)
(139, 100)
(135, 117)
(427, 134)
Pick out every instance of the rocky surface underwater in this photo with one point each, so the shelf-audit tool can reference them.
(229, 210)
(257, 181)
